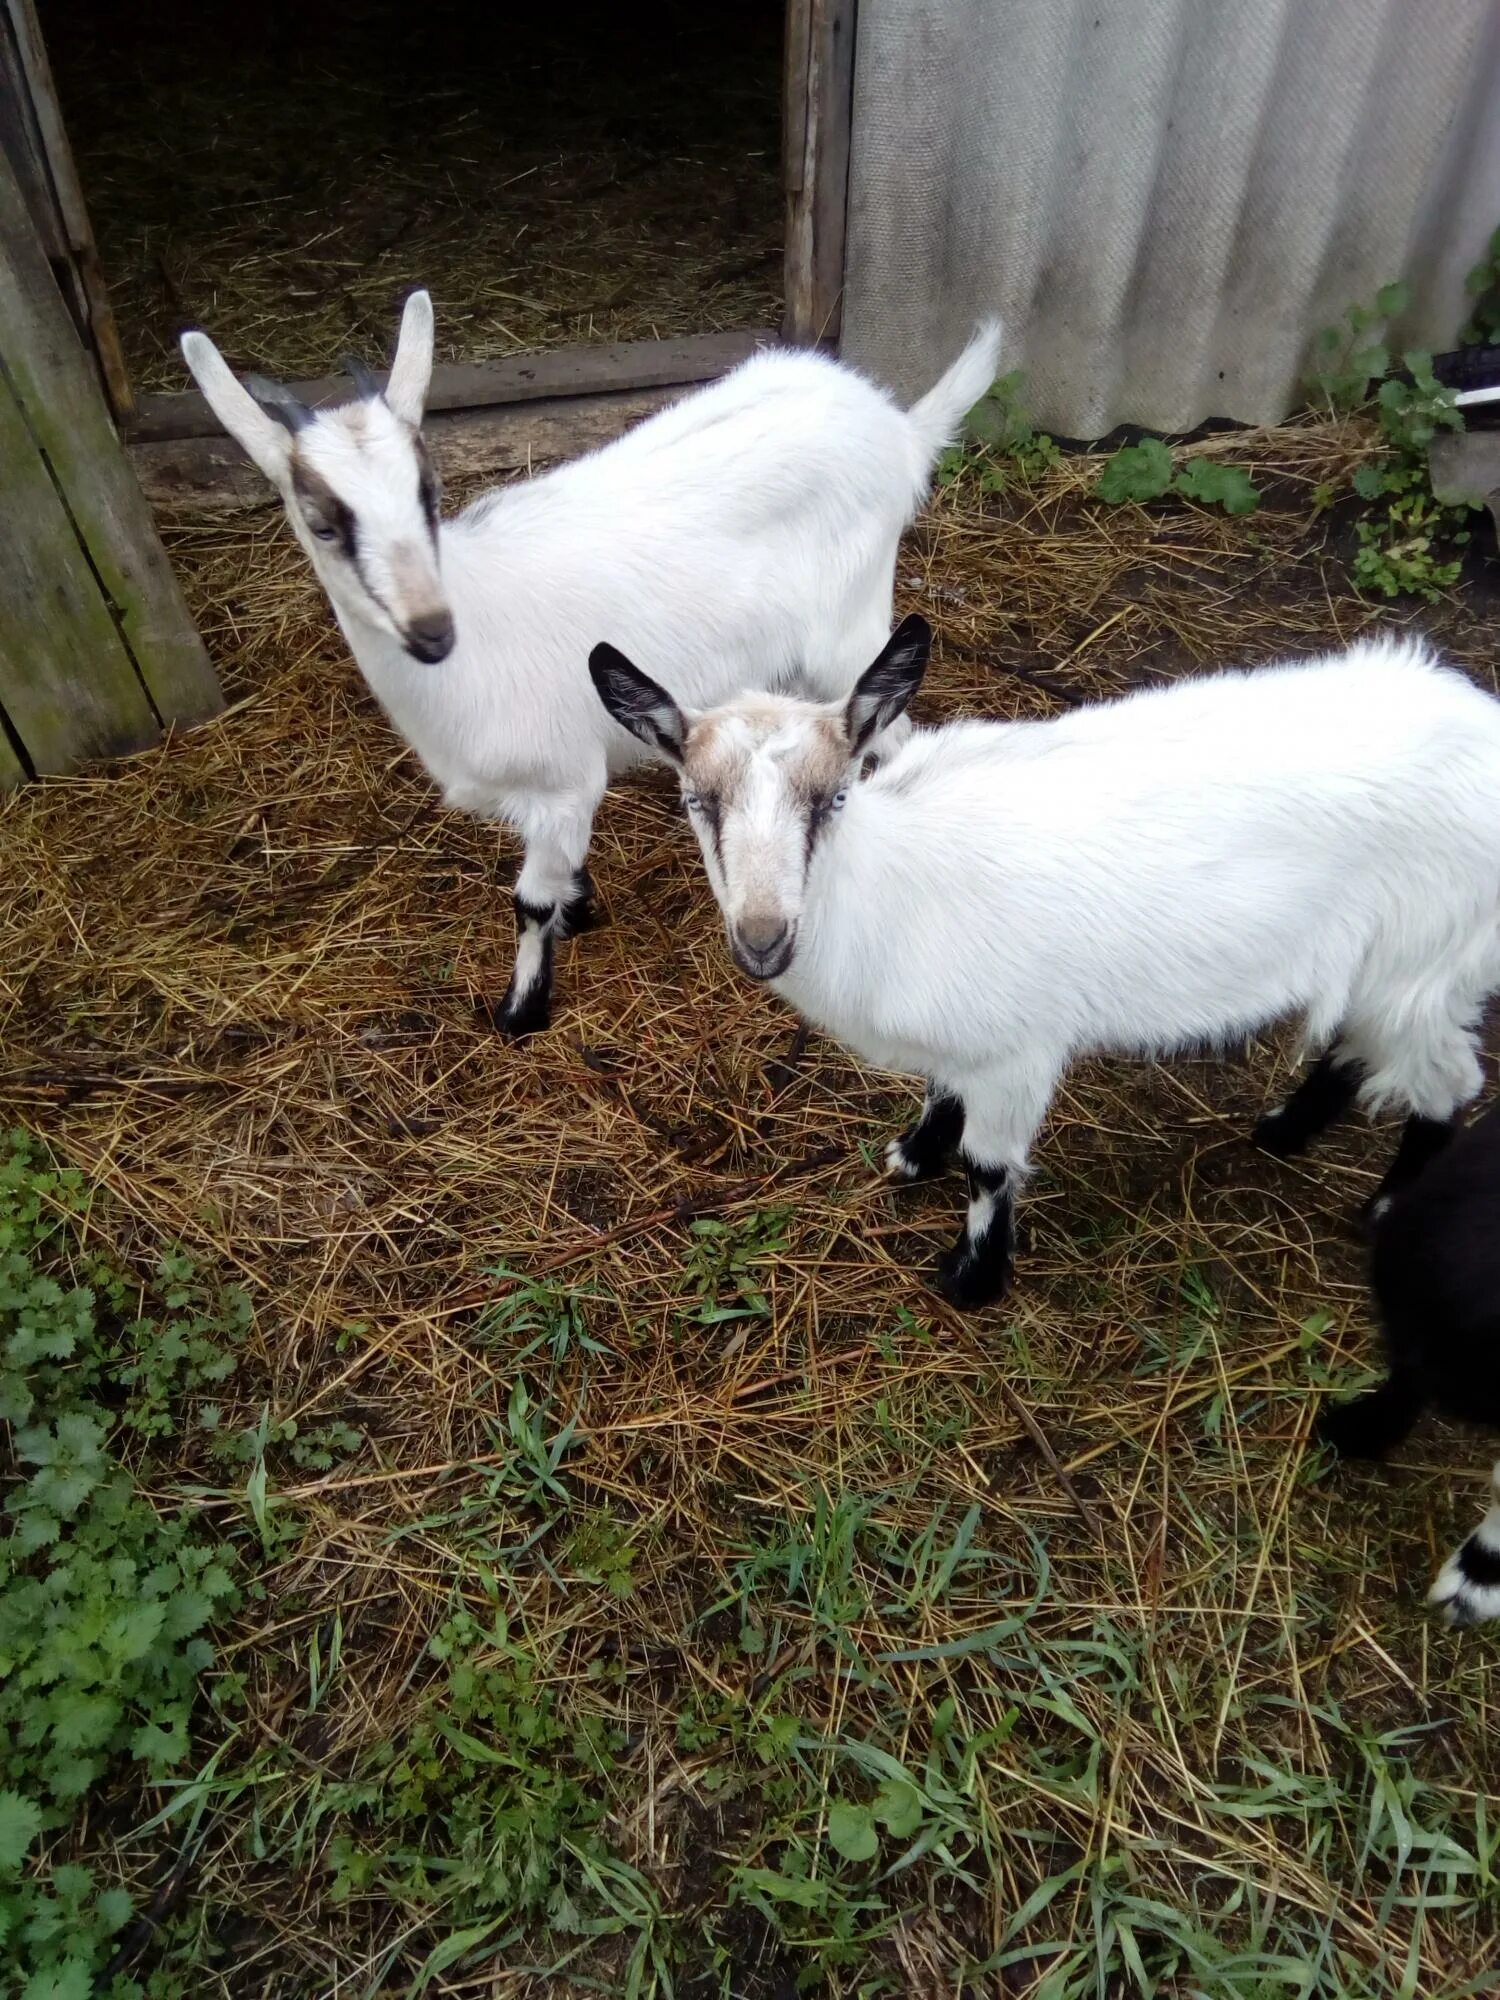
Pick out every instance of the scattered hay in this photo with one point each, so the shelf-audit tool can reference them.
(237, 983)
(285, 177)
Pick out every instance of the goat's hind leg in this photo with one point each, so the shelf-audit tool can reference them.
(1467, 1589)
(554, 900)
(1322, 1097)
(925, 1149)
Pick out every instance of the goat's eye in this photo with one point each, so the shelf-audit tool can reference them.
(692, 800)
(323, 532)
(837, 800)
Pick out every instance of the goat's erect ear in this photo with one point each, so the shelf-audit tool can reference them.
(411, 371)
(637, 703)
(884, 690)
(267, 441)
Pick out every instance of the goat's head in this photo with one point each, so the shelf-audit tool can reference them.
(355, 480)
(761, 777)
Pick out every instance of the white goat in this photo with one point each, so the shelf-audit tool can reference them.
(748, 533)
(1180, 866)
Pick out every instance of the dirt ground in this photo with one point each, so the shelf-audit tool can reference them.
(238, 985)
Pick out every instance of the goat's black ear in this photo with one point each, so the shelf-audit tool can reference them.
(278, 401)
(637, 703)
(884, 690)
(366, 385)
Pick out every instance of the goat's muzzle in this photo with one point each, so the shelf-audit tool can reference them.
(430, 637)
(763, 946)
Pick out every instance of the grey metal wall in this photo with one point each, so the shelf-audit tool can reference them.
(1164, 199)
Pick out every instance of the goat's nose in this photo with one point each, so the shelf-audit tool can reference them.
(764, 945)
(430, 637)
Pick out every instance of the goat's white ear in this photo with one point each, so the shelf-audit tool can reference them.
(267, 441)
(637, 703)
(411, 371)
(884, 690)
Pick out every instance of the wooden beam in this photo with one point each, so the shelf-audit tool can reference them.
(818, 109)
(67, 191)
(67, 681)
(605, 368)
(55, 406)
(212, 474)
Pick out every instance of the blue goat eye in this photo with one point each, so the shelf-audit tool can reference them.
(837, 800)
(692, 801)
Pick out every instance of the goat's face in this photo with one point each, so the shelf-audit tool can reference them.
(356, 483)
(762, 776)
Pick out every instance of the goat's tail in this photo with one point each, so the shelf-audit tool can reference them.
(1468, 1584)
(936, 417)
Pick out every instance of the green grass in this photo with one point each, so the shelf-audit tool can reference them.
(908, 1740)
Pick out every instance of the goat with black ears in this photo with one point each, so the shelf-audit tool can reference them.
(1435, 1272)
(748, 534)
(1184, 865)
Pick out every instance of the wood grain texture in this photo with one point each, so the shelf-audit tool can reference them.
(604, 367)
(213, 474)
(818, 103)
(56, 396)
(12, 770)
(67, 682)
(35, 81)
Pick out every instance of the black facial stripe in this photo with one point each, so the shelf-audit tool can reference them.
(1480, 1563)
(713, 812)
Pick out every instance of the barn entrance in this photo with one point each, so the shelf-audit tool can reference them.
(570, 174)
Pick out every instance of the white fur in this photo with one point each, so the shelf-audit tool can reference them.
(746, 536)
(1181, 866)
(1462, 1600)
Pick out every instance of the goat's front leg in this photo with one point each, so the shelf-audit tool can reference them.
(1468, 1585)
(1001, 1113)
(554, 900)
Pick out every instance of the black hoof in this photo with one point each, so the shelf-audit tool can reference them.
(531, 1016)
(970, 1282)
(1277, 1135)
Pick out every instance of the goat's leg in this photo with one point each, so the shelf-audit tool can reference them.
(1422, 1139)
(1468, 1584)
(1319, 1100)
(1376, 1423)
(554, 900)
(924, 1150)
(1002, 1111)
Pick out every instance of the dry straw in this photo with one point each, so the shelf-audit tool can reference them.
(238, 984)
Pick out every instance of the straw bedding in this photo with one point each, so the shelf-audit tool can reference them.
(238, 982)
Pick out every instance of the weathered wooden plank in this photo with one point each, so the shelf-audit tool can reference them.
(36, 75)
(605, 367)
(12, 770)
(818, 104)
(67, 682)
(58, 393)
(188, 474)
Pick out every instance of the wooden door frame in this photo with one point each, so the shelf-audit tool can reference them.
(175, 428)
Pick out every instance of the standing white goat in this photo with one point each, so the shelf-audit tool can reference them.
(1181, 866)
(748, 534)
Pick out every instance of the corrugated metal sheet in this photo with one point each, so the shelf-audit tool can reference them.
(1164, 199)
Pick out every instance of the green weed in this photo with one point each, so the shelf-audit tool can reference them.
(1408, 543)
(1001, 446)
(1144, 471)
(104, 1598)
